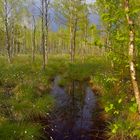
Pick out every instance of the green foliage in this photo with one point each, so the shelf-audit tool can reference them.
(124, 129)
(133, 106)
(118, 102)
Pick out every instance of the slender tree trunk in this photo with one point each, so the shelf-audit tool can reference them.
(74, 38)
(34, 40)
(71, 44)
(25, 39)
(7, 32)
(132, 54)
(8, 48)
(71, 35)
(46, 27)
(43, 35)
(12, 41)
(73, 31)
(85, 41)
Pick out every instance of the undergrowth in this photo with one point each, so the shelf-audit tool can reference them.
(25, 95)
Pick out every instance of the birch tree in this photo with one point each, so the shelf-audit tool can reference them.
(45, 22)
(131, 52)
(10, 11)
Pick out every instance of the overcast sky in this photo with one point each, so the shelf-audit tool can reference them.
(90, 1)
(35, 11)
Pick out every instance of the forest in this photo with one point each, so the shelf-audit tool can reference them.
(69, 69)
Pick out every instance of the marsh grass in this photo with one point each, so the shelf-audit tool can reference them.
(24, 95)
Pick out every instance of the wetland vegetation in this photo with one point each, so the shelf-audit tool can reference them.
(69, 70)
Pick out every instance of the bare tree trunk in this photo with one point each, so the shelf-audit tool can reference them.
(7, 31)
(12, 41)
(71, 43)
(74, 37)
(34, 42)
(47, 2)
(132, 54)
(85, 41)
(71, 34)
(25, 39)
(73, 31)
(43, 35)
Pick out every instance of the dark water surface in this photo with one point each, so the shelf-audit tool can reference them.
(74, 115)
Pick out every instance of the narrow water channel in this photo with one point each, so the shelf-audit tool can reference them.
(73, 117)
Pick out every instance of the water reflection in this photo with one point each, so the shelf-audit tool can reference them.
(72, 117)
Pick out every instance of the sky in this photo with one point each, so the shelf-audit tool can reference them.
(93, 18)
(90, 1)
(54, 25)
